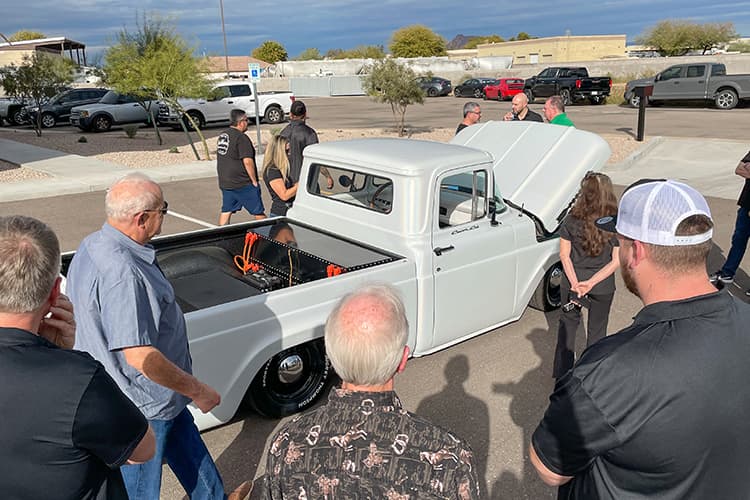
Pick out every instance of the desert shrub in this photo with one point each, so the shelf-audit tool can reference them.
(130, 130)
(174, 149)
(83, 139)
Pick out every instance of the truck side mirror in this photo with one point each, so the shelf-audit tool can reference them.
(493, 212)
(657, 77)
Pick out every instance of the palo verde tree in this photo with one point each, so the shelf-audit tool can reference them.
(678, 37)
(39, 77)
(156, 62)
(395, 84)
(270, 51)
(310, 54)
(417, 41)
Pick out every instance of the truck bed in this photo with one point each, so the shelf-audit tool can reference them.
(213, 267)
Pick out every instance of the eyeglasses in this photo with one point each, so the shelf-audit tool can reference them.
(477, 113)
(162, 210)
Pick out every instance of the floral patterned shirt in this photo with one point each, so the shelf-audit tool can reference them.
(364, 445)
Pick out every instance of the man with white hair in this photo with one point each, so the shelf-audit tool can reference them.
(67, 428)
(519, 110)
(363, 443)
(472, 115)
(130, 322)
(658, 409)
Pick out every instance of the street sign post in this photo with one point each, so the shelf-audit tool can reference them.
(253, 70)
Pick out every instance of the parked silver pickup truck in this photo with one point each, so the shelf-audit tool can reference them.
(693, 82)
(467, 232)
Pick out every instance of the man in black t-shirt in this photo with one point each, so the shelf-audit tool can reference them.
(741, 234)
(519, 110)
(659, 409)
(238, 175)
(300, 135)
(472, 115)
(66, 426)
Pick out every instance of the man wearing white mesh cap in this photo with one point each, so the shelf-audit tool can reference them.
(659, 409)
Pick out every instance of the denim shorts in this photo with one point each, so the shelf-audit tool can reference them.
(233, 200)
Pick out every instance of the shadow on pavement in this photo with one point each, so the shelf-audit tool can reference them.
(530, 397)
(455, 409)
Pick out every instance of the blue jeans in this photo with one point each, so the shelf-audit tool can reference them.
(739, 243)
(179, 443)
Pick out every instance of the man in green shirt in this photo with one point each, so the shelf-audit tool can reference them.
(554, 111)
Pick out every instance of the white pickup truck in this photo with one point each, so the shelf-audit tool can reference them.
(226, 96)
(465, 231)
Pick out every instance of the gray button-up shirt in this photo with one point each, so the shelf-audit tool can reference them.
(122, 299)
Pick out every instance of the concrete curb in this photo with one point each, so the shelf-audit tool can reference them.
(638, 154)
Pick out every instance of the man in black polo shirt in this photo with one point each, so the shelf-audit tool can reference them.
(659, 409)
(66, 427)
(300, 135)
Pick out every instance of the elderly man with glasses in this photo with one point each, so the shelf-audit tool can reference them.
(129, 321)
(472, 115)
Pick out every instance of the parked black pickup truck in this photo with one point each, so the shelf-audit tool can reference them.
(572, 84)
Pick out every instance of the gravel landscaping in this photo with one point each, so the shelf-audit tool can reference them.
(143, 151)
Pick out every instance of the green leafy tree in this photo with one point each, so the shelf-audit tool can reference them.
(39, 77)
(417, 41)
(678, 37)
(270, 51)
(395, 84)
(522, 35)
(335, 54)
(366, 52)
(156, 62)
(477, 40)
(21, 35)
(311, 54)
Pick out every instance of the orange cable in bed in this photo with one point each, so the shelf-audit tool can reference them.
(243, 261)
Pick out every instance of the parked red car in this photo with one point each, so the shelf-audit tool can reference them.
(506, 89)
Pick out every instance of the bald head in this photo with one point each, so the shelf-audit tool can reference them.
(365, 336)
(132, 194)
(519, 104)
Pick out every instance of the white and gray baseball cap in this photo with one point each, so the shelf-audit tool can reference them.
(650, 211)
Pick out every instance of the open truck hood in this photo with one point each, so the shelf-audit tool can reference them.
(538, 166)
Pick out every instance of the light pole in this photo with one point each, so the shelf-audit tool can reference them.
(224, 32)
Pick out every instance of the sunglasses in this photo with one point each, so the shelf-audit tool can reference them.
(162, 210)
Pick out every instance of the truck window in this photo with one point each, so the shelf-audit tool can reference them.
(696, 71)
(718, 70)
(240, 90)
(218, 93)
(547, 73)
(670, 73)
(463, 198)
(352, 187)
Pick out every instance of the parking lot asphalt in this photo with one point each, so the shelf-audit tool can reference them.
(491, 390)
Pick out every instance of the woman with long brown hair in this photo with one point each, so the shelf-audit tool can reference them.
(276, 175)
(589, 258)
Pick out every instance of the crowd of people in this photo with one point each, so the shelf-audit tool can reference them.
(97, 382)
(554, 112)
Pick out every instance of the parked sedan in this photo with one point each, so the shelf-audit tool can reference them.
(434, 86)
(57, 109)
(113, 109)
(474, 87)
(506, 88)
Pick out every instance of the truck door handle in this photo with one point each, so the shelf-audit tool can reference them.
(230, 102)
(701, 81)
(439, 250)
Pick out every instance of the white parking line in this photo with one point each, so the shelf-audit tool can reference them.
(191, 219)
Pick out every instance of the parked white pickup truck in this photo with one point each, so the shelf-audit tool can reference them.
(465, 231)
(225, 97)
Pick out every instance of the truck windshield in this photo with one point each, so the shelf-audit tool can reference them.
(361, 189)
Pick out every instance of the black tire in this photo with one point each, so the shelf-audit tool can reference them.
(17, 116)
(274, 114)
(273, 397)
(547, 295)
(101, 123)
(478, 93)
(726, 99)
(634, 100)
(197, 118)
(456, 93)
(432, 92)
(529, 95)
(567, 99)
(48, 120)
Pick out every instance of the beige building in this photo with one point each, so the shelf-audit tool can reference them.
(14, 53)
(220, 67)
(557, 49)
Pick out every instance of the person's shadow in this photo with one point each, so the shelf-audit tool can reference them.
(458, 411)
(530, 397)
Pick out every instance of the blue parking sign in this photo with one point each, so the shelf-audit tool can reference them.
(254, 71)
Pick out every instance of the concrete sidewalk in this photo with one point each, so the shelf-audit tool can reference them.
(706, 164)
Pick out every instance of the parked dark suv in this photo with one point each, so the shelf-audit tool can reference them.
(58, 108)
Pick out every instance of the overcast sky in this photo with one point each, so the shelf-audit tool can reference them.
(327, 24)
